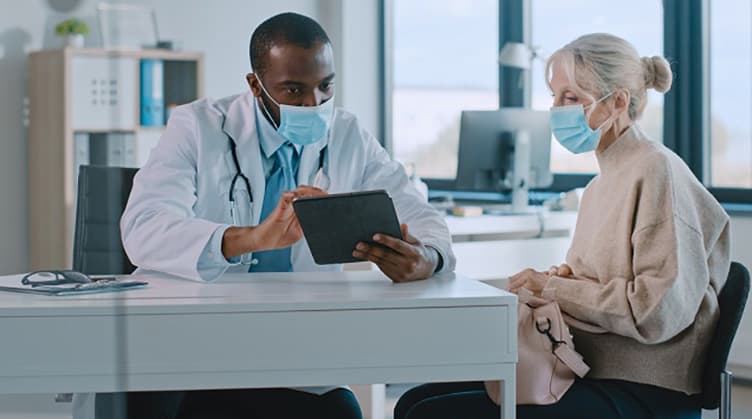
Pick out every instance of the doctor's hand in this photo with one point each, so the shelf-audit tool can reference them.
(400, 260)
(279, 230)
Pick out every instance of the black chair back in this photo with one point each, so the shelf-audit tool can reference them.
(102, 195)
(731, 300)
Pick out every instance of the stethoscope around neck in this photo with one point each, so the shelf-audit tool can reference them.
(321, 179)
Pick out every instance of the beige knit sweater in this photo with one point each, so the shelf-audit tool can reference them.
(650, 254)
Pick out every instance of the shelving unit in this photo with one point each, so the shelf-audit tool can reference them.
(76, 98)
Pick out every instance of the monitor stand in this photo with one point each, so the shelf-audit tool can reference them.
(521, 178)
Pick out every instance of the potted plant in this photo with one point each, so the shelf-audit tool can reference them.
(73, 30)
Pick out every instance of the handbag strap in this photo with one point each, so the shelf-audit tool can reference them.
(571, 359)
(564, 352)
(560, 348)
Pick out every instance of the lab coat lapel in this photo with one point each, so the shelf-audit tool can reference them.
(240, 125)
(309, 161)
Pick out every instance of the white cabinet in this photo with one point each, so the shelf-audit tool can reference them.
(104, 92)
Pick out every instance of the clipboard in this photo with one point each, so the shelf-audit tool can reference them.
(97, 286)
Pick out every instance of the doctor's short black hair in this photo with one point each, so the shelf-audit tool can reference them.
(291, 28)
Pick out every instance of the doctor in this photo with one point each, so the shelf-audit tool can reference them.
(216, 194)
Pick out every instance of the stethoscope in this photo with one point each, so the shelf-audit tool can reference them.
(321, 179)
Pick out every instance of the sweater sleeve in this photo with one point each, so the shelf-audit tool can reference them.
(670, 279)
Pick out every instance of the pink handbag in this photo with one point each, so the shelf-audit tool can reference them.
(547, 362)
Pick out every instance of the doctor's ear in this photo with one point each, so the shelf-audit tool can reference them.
(253, 83)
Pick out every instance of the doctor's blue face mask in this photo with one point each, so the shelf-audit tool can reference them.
(301, 125)
(569, 124)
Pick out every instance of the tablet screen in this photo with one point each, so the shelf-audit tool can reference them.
(334, 224)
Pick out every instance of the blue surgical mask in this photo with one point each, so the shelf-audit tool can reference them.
(301, 125)
(569, 124)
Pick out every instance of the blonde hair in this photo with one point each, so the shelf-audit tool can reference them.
(600, 63)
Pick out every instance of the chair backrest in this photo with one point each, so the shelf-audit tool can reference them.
(731, 300)
(102, 195)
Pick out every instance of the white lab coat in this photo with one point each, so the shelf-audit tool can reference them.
(180, 198)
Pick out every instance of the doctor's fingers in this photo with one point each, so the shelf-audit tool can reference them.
(287, 197)
(305, 191)
(377, 250)
(407, 236)
(283, 213)
(395, 244)
(384, 263)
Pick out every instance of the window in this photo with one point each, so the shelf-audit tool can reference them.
(730, 94)
(555, 23)
(445, 61)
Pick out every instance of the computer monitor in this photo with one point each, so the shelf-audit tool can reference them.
(487, 149)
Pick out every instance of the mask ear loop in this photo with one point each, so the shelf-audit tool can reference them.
(263, 105)
(594, 104)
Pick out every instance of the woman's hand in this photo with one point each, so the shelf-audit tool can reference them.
(562, 270)
(531, 279)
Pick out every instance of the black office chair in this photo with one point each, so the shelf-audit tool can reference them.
(716, 389)
(102, 195)
(103, 192)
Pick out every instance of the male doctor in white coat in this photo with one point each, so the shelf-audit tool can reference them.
(216, 193)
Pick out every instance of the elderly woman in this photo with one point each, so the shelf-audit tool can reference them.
(649, 255)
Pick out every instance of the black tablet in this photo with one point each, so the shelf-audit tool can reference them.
(334, 224)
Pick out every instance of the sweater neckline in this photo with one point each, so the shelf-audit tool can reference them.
(615, 152)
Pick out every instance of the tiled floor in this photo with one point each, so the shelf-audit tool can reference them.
(44, 407)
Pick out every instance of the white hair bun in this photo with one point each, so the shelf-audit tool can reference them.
(657, 73)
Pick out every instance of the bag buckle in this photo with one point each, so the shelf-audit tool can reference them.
(547, 331)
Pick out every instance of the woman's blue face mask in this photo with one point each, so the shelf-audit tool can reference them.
(301, 125)
(570, 127)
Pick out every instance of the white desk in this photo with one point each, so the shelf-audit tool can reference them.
(263, 330)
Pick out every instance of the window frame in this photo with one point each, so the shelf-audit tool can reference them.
(689, 137)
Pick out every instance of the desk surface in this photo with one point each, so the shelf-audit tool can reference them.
(259, 330)
(260, 293)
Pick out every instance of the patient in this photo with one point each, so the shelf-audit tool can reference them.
(649, 256)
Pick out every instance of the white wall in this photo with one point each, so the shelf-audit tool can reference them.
(221, 29)
(353, 27)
